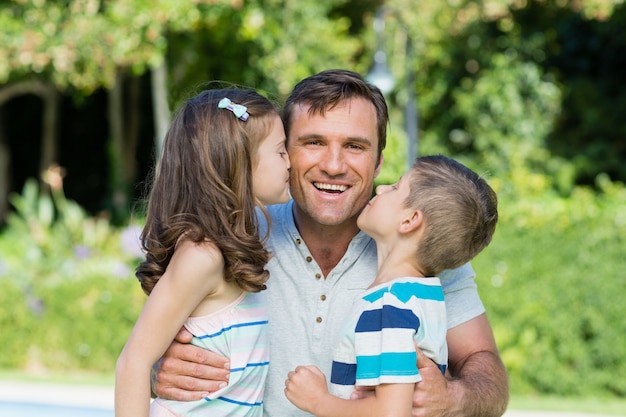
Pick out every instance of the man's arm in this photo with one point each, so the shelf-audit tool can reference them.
(478, 386)
(187, 372)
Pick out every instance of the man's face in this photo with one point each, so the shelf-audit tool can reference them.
(333, 161)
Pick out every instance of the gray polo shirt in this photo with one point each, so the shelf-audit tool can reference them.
(307, 311)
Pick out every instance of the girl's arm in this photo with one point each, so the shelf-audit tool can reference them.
(194, 272)
(306, 388)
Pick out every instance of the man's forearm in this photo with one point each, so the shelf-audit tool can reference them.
(480, 387)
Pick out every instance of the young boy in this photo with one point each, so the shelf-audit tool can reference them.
(437, 216)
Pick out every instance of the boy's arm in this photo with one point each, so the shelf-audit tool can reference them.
(306, 388)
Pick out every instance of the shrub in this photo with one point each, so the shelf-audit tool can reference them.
(552, 282)
(66, 284)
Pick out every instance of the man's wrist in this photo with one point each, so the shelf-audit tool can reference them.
(455, 406)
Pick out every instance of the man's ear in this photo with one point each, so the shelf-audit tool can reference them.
(380, 165)
(411, 222)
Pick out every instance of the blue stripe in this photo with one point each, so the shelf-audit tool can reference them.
(250, 365)
(387, 317)
(343, 373)
(392, 363)
(253, 323)
(376, 295)
(403, 291)
(230, 400)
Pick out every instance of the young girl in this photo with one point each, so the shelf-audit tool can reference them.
(224, 154)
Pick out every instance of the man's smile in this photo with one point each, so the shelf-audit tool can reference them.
(332, 188)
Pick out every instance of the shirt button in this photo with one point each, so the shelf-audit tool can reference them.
(319, 319)
(323, 297)
(298, 241)
(309, 259)
(318, 276)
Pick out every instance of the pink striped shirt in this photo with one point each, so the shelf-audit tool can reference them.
(240, 333)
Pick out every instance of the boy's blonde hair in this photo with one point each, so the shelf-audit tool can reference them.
(460, 212)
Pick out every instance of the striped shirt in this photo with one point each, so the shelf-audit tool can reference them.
(378, 344)
(240, 333)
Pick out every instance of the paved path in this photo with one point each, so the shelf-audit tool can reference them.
(57, 394)
(102, 397)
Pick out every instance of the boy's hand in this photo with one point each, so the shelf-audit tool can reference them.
(305, 386)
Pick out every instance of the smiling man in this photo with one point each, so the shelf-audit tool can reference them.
(336, 132)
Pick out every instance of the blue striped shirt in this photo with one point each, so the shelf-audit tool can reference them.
(378, 344)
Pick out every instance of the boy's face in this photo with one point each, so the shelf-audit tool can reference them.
(386, 211)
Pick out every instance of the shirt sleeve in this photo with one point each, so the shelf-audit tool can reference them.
(385, 352)
(461, 295)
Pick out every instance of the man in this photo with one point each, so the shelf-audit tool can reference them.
(336, 132)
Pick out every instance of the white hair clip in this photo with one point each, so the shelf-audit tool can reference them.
(241, 112)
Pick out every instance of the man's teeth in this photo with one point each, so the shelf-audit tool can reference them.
(330, 187)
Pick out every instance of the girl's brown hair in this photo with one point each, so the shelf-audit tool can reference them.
(202, 187)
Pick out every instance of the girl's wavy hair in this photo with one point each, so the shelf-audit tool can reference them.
(202, 188)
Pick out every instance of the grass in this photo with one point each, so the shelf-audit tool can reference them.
(591, 405)
(78, 378)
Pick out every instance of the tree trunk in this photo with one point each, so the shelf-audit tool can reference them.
(132, 129)
(116, 164)
(5, 178)
(160, 106)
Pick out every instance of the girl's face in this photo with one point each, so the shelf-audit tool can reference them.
(270, 172)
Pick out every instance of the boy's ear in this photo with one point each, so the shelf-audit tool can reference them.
(411, 222)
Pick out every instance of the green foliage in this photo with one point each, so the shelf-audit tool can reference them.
(552, 284)
(269, 45)
(66, 284)
(81, 44)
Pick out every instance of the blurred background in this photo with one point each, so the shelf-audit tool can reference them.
(530, 93)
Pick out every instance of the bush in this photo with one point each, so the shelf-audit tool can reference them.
(66, 285)
(552, 282)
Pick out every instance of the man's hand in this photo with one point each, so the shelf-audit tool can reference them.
(477, 385)
(430, 397)
(187, 372)
(305, 387)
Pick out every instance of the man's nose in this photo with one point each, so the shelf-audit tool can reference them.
(333, 162)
